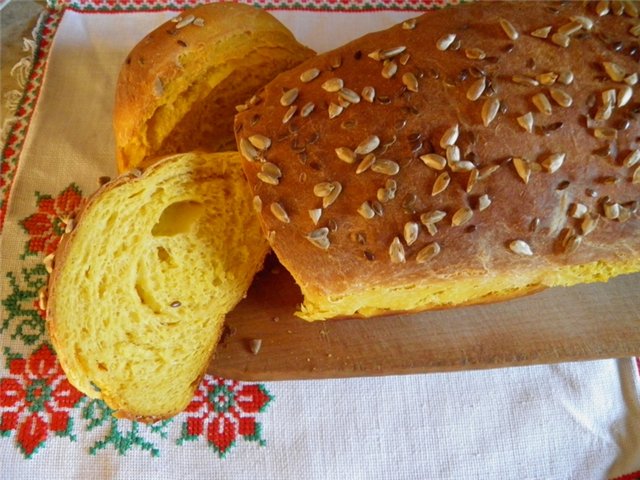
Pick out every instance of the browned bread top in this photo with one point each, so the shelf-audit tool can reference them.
(484, 139)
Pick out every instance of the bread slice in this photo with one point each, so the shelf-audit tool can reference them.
(141, 286)
(178, 88)
(454, 158)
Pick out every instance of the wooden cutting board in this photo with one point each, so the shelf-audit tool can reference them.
(557, 325)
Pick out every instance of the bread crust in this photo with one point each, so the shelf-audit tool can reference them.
(431, 92)
(174, 57)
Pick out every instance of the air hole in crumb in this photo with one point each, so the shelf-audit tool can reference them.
(177, 218)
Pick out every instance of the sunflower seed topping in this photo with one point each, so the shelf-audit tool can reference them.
(396, 251)
(542, 103)
(335, 110)
(323, 189)
(450, 136)
(635, 30)
(561, 39)
(631, 159)
(306, 110)
(635, 179)
(526, 121)
(631, 9)
(548, 78)
(386, 167)
(346, 154)
(433, 160)
(486, 172)
(409, 24)
(570, 28)
(257, 204)
(611, 210)
(483, 202)
(585, 22)
(432, 217)
(541, 32)
(411, 231)
(247, 150)
(48, 262)
(523, 168)
(577, 210)
(260, 142)
(368, 145)
(615, 71)
(428, 252)
(624, 95)
(270, 173)
(308, 75)
(520, 247)
(572, 243)
(333, 85)
(410, 81)
(566, 77)
(553, 162)
(445, 41)
(391, 52)
(461, 216)
(329, 200)
(509, 29)
(349, 95)
(404, 58)
(289, 97)
(42, 298)
(320, 238)
(476, 89)
(472, 180)
(452, 154)
(602, 8)
(462, 165)
(279, 212)
(188, 20)
(561, 98)
(490, 109)
(475, 53)
(366, 163)
(366, 211)
(389, 69)
(369, 94)
(605, 133)
(589, 224)
(290, 113)
(315, 214)
(525, 80)
(441, 183)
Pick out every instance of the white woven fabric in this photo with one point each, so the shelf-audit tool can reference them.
(567, 421)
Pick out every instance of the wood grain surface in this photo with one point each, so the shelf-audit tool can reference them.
(556, 325)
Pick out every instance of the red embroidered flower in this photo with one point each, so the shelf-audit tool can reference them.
(45, 227)
(224, 409)
(36, 399)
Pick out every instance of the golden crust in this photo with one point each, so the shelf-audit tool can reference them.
(174, 60)
(531, 201)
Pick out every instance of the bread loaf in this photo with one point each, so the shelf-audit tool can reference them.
(140, 288)
(469, 155)
(178, 88)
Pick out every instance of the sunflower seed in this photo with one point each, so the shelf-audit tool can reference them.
(411, 231)
(375, 55)
(290, 113)
(389, 69)
(433, 160)
(386, 167)
(452, 154)
(542, 32)
(450, 136)
(631, 159)
(548, 78)
(42, 298)
(396, 251)
(570, 28)
(366, 210)
(409, 24)
(404, 58)
(260, 142)
(520, 247)
(611, 210)
(542, 103)
(604, 112)
(289, 97)
(635, 30)
(577, 210)
(624, 95)
(585, 22)
(589, 224)
(605, 133)
(526, 121)
(343, 102)
(257, 204)
(333, 85)
(445, 41)
(461, 216)
(247, 150)
(441, 183)
(635, 178)
(565, 77)
(315, 215)
(188, 20)
(279, 212)
(472, 180)
(267, 178)
(391, 52)
(320, 238)
(561, 39)
(366, 163)
(631, 9)
(602, 8)
(572, 243)
(432, 217)
(509, 29)
(561, 98)
(490, 110)
(476, 89)
(615, 71)
(483, 202)
(329, 200)
(553, 162)
(523, 168)
(462, 165)
(369, 94)
(475, 53)
(48, 262)
(309, 75)
(323, 189)
(486, 172)
(306, 110)
(525, 80)
(334, 110)
(428, 252)
(410, 81)
(368, 145)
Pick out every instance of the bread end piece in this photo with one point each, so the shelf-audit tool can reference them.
(140, 288)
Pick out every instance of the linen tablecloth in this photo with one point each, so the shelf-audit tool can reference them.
(563, 421)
